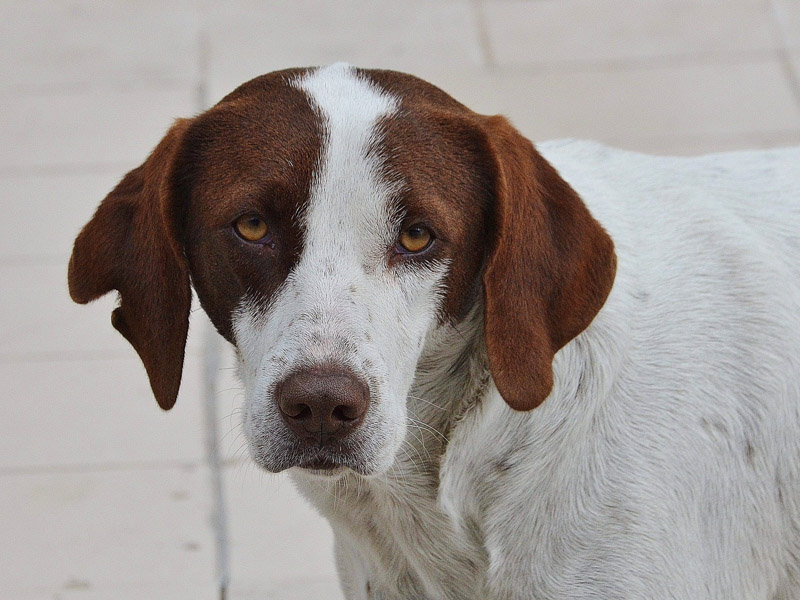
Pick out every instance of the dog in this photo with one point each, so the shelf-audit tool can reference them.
(486, 396)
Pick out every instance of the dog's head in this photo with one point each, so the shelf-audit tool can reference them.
(331, 220)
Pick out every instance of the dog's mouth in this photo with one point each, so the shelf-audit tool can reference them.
(325, 465)
(320, 464)
(321, 461)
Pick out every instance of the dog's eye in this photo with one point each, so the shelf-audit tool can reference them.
(415, 239)
(250, 228)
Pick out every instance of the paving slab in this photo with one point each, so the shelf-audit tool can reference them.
(70, 414)
(101, 44)
(254, 37)
(229, 406)
(43, 213)
(549, 33)
(787, 13)
(794, 59)
(115, 535)
(322, 588)
(40, 321)
(276, 538)
(97, 127)
(623, 106)
(693, 146)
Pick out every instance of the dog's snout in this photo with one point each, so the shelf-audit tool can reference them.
(322, 404)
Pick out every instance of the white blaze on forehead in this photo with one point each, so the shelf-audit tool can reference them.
(347, 188)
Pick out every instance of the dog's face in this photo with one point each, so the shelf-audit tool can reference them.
(331, 220)
(329, 258)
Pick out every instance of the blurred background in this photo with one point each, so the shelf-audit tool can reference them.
(103, 496)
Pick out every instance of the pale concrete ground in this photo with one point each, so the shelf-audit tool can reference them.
(103, 496)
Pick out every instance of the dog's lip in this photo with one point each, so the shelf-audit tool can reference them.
(322, 467)
(320, 463)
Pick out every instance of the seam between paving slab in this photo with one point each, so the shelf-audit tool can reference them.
(219, 520)
(779, 31)
(212, 352)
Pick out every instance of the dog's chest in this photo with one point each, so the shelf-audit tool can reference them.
(392, 541)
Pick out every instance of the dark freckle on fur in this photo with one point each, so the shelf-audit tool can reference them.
(503, 465)
(371, 529)
(369, 588)
(749, 452)
(348, 346)
(352, 289)
(642, 296)
(368, 337)
(779, 487)
(315, 316)
(374, 382)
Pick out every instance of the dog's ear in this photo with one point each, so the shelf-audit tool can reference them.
(548, 273)
(130, 245)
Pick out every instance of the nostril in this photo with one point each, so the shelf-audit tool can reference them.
(299, 411)
(346, 413)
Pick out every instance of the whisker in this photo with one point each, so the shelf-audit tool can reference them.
(428, 402)
(417, 451)
(425, 426)
(421, 440)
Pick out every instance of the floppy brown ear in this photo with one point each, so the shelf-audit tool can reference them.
(549, 273)
(130, 246)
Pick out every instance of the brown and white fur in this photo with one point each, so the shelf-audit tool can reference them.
(539, 412)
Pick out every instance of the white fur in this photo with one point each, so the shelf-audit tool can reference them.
(665, 462)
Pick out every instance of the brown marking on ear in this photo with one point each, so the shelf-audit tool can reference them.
(549, 273)
(130, 246)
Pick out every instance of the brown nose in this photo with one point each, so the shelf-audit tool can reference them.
(323, 403)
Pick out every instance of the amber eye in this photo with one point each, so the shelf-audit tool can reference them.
(416, 238)
(251, 228)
